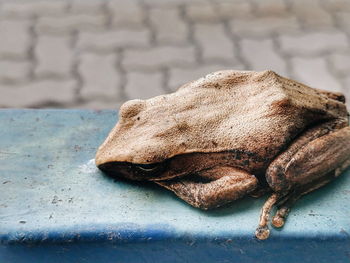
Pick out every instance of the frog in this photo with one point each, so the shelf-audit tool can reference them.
(232, 134)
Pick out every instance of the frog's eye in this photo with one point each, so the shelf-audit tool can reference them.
(149, 167)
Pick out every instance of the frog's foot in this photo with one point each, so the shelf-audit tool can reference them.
(280, 216)
(263, 232)
(283, 209)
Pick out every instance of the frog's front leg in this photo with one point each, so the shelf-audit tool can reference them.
(213, 187)
(311, 161)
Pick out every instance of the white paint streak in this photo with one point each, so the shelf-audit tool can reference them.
(89, 167)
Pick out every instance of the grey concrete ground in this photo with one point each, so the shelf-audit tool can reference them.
(99, 53)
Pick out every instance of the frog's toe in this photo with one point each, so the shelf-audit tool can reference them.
(278, 221)
(280, 217)
(262, 233)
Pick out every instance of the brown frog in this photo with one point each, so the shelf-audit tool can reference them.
(233, 133)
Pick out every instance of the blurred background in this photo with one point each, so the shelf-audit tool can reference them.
(99, 53)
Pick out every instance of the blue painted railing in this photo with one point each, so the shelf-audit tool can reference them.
(55, 206)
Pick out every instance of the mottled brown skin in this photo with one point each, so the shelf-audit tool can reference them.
(230, 134)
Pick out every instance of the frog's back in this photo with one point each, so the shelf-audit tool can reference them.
(258, 112)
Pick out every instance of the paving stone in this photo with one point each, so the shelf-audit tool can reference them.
(264, 26)
(112, 39)
(208, 36)
(169, 26)
(180, 76)
(261, 55)
(86, 6)
(341, 63)
(314, 42)
(270, 7)
(14, 71)
(158, 57)
(126, 13)
(99, 75)
(311, 14)
(70, 22)
(141, 85)
(37, 93)
(97, 104)
(14, 45)
(344, 20)
(337, 5)
(54, 56)
(233, 9)
(314, 72)
(29, 8)
(170, 3)
(202, 12)
(304, 30)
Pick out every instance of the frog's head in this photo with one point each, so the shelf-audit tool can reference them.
(150, 141)
(132, 149)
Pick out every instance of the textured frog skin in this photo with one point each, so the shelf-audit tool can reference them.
(259, 112)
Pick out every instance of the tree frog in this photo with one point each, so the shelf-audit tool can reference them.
(231, 134)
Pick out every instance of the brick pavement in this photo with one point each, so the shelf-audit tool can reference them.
(99, 53)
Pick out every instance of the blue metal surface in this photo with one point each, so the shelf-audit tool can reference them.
(55, 206)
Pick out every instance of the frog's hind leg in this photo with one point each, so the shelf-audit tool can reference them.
(314, 159)
(285, 205)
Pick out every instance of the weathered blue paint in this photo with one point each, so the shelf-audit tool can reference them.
(55, 206)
